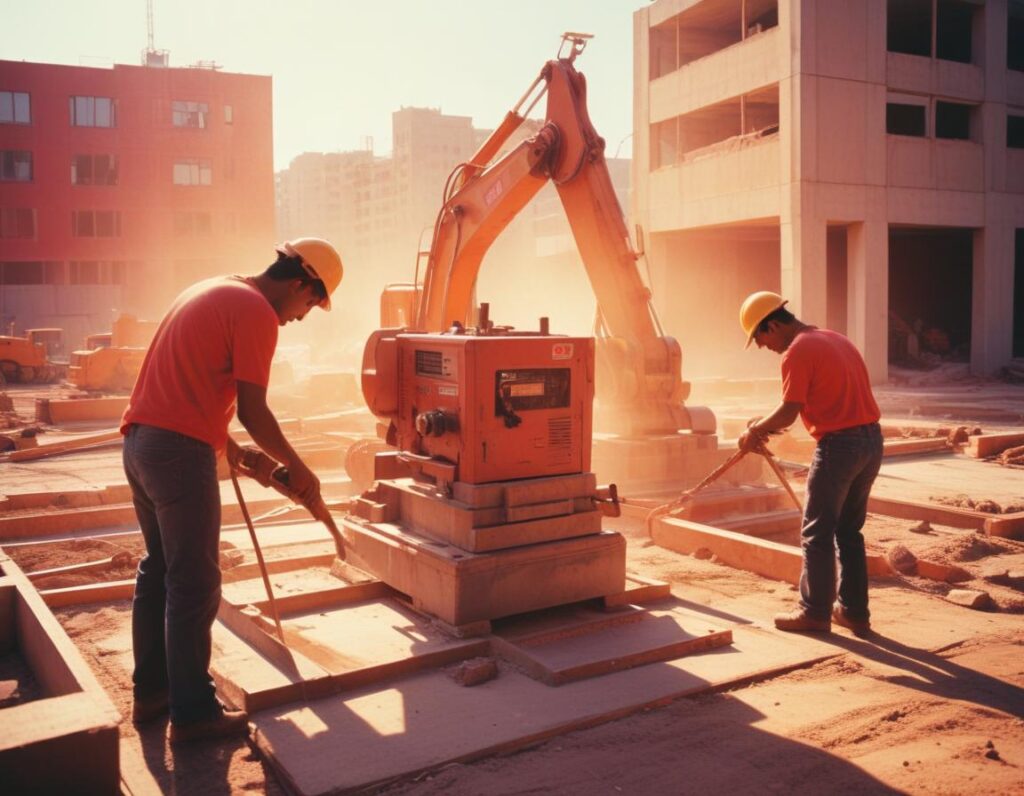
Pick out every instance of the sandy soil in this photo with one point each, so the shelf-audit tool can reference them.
(887, 716)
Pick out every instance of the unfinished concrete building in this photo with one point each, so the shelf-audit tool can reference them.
(864, 159)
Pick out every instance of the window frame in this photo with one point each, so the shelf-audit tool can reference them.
(14, 107)
(82, 111)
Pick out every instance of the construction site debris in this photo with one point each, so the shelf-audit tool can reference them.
(982, 446)
(984, 505)
(1012, 456)
(901, 559)
(474, 671)
(970, 598)
(922, 527)
(946, 573)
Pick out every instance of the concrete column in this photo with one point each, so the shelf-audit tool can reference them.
(867, 294)
(804, 253)
(992, 299)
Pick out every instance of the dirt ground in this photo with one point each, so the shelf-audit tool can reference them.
(891, 714)
(884, 716)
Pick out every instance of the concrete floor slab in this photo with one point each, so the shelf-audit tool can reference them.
(348, 742)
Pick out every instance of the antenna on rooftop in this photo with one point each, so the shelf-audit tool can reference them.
(152, 56)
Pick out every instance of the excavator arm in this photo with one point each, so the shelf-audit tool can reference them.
(640, 389)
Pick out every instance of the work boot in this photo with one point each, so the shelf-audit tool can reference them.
(228, 724)
(150, 708)
(859, 627)
(799, 622)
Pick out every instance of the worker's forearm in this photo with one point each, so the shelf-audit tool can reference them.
(784, 415)
(265, 432)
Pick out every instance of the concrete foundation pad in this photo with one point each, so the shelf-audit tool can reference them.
(461, 588)
(362, 739)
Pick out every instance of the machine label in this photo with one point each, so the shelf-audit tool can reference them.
(494, 193)
(451, 390)
(561, 351)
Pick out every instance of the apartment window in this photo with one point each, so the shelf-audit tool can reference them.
(192, 224)
(15, 108)
(953, 120)
(17, 222)
(193, 172)
(85, 273)
(97, 272)
(189, 114)
(22, 273)
(904, 119)
(229, 115)
(93, 111)
(954, 23)
(94, 169)
(1015, 36)
(15, 165)
(909, 26)
(96, 223)
(1014, 131)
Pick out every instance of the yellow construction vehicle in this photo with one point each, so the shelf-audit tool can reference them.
(25, 360)
(111, 361)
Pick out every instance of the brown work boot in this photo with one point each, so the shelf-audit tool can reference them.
(799, 622)
(859, 627)
(228, 724)
(150, 708)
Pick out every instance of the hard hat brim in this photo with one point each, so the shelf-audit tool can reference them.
(753, 331)
(289, 251)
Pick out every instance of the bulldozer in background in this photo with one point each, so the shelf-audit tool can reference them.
(27, 360)
(110, 361)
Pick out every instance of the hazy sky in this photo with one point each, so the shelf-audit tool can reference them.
(340, 68)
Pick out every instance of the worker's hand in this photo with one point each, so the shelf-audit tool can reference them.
(304, 484)
(754, 437)
(233, 453)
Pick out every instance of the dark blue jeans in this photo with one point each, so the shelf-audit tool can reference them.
(173, 479)
(843, 468)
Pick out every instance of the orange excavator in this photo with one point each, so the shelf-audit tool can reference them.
(644, 432)
(488, 505)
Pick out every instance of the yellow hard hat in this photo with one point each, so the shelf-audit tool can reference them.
(756, 307)
(320, 259)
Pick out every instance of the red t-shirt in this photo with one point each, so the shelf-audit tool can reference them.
(825, 372)
(217, 332)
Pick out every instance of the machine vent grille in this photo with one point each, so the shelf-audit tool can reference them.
(428, 363)
(560, 432)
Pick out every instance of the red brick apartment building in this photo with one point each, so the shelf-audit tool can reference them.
(118, 186)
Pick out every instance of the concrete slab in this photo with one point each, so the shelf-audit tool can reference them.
(427, 720)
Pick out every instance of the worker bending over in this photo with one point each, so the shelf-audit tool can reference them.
(825, 381)
(212, 351)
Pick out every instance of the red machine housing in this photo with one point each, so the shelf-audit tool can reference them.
(496, 406)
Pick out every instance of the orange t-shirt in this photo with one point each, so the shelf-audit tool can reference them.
(217, 332)
(825, 372)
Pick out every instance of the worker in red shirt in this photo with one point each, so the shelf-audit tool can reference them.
(211, 352)
(825, 382)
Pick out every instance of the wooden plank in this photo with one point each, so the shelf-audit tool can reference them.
(639, 590)
(909, 447)
(982, 445)
(247, 571)
(68, 410)
(50, 523)
(1008, 526)
(66, 446)
(91, 593)
(306, 602)
(296, 668)
(916, 510)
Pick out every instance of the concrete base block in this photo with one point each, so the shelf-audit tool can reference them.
(461, 587)
(66, 740)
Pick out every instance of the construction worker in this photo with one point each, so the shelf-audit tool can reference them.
(825, 382)
(212, 351)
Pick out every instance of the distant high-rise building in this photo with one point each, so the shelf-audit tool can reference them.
(120, 186)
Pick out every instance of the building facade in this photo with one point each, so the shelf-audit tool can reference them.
(864, 159)
(120, 186)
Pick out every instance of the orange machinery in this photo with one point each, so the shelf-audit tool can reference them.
(27, 359)
(646, 433)
(111, 361)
